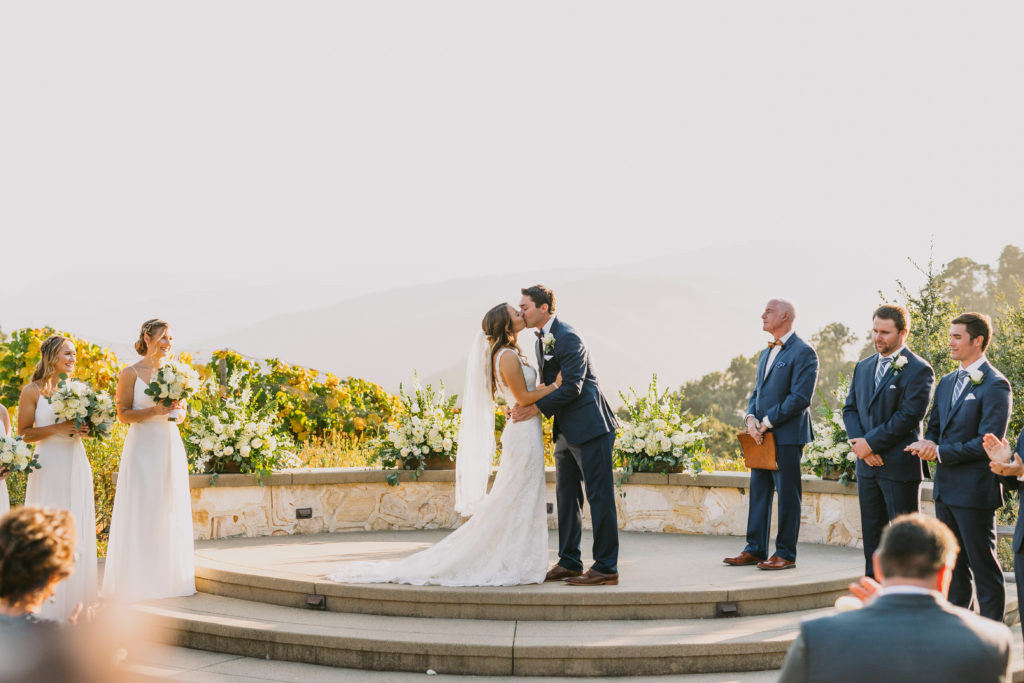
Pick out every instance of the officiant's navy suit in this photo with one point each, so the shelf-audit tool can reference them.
(782, 394)
(584, 434)
(888, 416)
(966, 492)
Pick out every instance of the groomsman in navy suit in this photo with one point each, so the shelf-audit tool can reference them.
(970, 402)
(1011, 468)
(786, 373)
(888, 399)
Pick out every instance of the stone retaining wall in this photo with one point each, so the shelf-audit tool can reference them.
(357, 500)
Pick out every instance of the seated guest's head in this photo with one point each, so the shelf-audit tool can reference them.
(37, 551)
(916, 551)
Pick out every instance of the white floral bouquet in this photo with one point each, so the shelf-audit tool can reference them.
(658, 436)
(173, 381)
(238, 437)
(76, 401)
(426, 425)
(829, 455)
(16, 455)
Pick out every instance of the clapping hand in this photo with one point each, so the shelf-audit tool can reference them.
(866, 589)
(1002, 462)
(924, 449)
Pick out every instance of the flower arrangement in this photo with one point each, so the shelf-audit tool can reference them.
(238, 436)
(658, 436)
(829, 455)
(173, 381)
(16, 455)
(76, 401)
(426, 425)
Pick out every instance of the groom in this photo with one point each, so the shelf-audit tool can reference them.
(584, 433)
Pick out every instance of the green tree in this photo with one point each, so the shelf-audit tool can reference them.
(831, 343)
(930, 313)
(969, 285)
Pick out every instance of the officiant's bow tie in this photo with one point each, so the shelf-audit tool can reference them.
(773, 344)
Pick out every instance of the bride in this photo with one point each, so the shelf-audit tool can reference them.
(505, 541)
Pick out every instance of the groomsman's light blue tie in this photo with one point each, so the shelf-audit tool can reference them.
(883, 367)
(961, 384)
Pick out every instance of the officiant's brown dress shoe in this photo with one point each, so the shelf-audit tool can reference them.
(775, 562)
(594, 578)
(742, 560)
(558, 572)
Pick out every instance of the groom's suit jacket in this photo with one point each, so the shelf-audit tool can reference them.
(962, 475)
(784, 395)
(580, 410)
(889, 416)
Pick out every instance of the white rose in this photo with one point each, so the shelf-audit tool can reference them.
(900, 362)
(447, 444)
(851, 456)
(218, 428)
(638, 445)
(244, 451)
(20, 462)
(229, 450)
(404, 452)
(257, 442)
(206, 445)
(641, 430)
(677, 438)
(169, 376)
(659, 424)
(674, 420)
(976, 376)
(22, 450)
(424, 450)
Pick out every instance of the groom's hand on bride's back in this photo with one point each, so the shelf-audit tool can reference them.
(520, 413)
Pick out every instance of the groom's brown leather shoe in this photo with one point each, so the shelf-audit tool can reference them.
(775, 562)
(742, 560)
(594, 578)
(558, 572)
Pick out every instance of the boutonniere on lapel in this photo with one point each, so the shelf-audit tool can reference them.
(899, 364)
(976, 377)
(549, 343)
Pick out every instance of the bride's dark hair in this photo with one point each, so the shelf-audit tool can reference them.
(497, 325)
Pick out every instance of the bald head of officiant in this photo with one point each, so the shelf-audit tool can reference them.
(779, 405)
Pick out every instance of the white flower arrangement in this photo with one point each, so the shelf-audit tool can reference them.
(173, 381)
(829, 455)
(238, 436)
(898, 364)
(16, 455)
(76, 401)
(976, 376)
(658, 437)
(426, 425)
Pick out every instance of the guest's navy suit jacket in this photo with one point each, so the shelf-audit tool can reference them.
(579, 407)
(889, 417)
(785, 394)
(962, 475)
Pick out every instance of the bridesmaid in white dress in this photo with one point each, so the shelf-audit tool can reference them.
(5, 429)
(150, 551)
(64, 479)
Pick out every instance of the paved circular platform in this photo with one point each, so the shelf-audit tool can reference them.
(661, 576)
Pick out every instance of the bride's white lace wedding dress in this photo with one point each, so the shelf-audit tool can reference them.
(505, 542)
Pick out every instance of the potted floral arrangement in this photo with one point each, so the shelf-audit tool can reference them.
(237, 435)
(829, 455)
(423, 435)
(657, 436)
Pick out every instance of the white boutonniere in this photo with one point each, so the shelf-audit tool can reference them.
(899, 364)
(976, 376)
(548, 342)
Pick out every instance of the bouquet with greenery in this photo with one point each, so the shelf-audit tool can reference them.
(427, 424)
(658, 436)
(829, 455)
(173, 381)
(76, 401)
(16, 455)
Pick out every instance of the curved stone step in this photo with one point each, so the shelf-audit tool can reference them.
(469, 646)
(663, 576)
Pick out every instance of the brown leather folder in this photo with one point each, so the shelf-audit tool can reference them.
(758, 457)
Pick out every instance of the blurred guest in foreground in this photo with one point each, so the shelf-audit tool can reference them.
(906, 630)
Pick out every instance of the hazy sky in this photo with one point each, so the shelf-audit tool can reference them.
(328, 149)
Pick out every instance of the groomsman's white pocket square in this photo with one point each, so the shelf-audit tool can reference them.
(970, 397)
(892, 386)
(548, 357)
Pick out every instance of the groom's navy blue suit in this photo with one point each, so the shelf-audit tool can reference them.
(888, 416)
(966, 492)
(783, 394)
(584, 433)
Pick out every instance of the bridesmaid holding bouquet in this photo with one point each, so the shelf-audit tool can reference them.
(65, 480)
(150, 551)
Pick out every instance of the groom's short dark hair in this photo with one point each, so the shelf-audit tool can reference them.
(541, 295)
(978, 325)
(916, 547)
